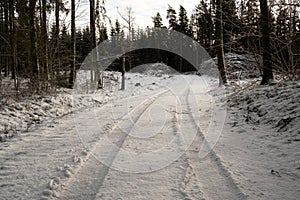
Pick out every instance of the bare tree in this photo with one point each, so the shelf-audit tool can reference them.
(129, 20)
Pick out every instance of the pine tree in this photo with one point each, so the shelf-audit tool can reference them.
(249, 26)
(112, 31)
(171, 16)
(118, 27)
(103, 34)
(230, 23)
(86, 41)
(203, 24)
(183, 22)
(282, 23)
(157, 20)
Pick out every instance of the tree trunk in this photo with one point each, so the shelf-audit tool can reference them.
(12, 39)
(6, 25)
(44, 38)
(266, 44)
(220, 42)
(123, 73)
(92, 23)
(56, 34)
(56, 40)
(33, 55)
(94, 42)
(73, 41)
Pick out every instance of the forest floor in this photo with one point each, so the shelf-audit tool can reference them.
(164, 137)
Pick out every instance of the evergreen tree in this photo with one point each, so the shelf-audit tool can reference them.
(249, 26)
(118, 27)
(203, 24)
(282, 24)
(103, 34)
(157, 20)
(112, 31)
(183, 22)
(171, 16)
(86, 41)
(230, 23)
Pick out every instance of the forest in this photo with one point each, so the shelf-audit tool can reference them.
(199, 102)
(45, 59)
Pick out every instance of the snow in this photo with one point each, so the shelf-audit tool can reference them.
(55, 147)
(260, 142)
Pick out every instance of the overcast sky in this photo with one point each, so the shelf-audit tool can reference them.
(143, 10)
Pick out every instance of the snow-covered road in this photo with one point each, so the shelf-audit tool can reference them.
(141, 147)
(157, 144)
(154, 152)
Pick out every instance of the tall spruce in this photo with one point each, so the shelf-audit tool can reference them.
(203, 25)
(171, 16)
(183, 21)
(230, 23)
(157, 20)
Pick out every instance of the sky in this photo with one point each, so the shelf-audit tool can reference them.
(143, 10)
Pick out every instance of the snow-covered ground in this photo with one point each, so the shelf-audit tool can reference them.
(19, 116)
(260, 143)
(58, 152)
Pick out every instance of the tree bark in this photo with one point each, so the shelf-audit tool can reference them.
(56, 39)
(123, 73)
(6, 25)
(44, 38)
(220, 42)
(73, 42)
(33, 55)
(94, 42)
(92, 23)
(56, 34)
(267, 67)
(12, 39)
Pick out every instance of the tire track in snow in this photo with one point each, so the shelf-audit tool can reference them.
(189, 186)
(215, 180)
(174, 181)
(88, 179)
